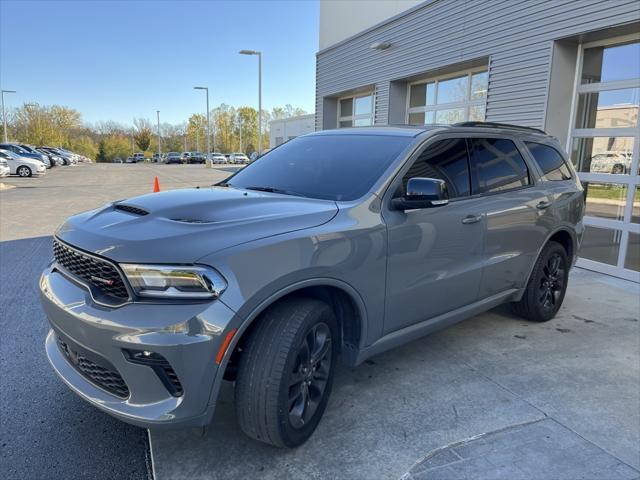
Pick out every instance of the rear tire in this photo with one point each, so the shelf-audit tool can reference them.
(285, 372)
(547, 285)
(24, 171)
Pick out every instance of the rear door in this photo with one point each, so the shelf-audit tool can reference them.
(516, 207)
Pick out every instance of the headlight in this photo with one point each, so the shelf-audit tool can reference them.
(174, 281)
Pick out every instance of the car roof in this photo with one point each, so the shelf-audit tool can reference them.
(416, 130)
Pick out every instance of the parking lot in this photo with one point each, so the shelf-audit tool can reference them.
(492, 397)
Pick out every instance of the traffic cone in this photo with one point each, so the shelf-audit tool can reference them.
(156, 185)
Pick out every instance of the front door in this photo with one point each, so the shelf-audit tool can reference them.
(434, 260)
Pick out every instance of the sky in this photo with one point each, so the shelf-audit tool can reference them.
(120, 60)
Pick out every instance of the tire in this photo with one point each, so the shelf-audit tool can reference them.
(283, 386)
(24, 171)
(547, 286)
(617, 169)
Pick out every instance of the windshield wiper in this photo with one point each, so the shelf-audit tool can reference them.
(275, 190)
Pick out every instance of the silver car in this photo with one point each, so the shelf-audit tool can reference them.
(5, 171)
(22, 166)
(337, 245)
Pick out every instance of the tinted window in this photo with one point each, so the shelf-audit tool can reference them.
(550, 161)
(446, 160)
(332, 167)
(497, 165)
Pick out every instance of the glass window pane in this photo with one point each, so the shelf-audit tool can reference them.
(453, 90)
(364, 105)
(479, 83)
(497, 165)
(600, 245)
(608, 64)
(608, 109)
(452, 115)
(416, 118)
(346, 107)
(429, 118)
(602, 154)
(445, 160)
(346, 123)
(550, 161)
(362, 122)
(632, 259)
(605, 200)
(635, 212)
(476, 113)
(422, 94)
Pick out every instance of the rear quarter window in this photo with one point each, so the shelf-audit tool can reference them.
(550, 162)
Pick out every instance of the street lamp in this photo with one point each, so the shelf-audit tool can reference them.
(159, 150)
(259, 54)
(4, 115)
(206, 89)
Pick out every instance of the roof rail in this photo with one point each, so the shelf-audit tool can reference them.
(499, 125)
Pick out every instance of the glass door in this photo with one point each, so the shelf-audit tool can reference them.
(604, 144)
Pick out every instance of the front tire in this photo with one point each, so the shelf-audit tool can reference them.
(285, 372)
(24, 171)
(547, 285)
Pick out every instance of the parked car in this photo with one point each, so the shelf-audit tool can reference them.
(5, 171)
(218, 158)
(22, 166)
(117, 160)
(173, 157)
(185, 157)
(611, 162)
(397, 232)
(25, 152)
(135, 158)
(238, 158)
(56, 160)
(45, 158)
(65, 157)
(157, 158)
(196, 157)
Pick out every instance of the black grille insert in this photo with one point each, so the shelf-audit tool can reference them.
(105, 378)
(131, 209)
(99, 273)
(160, 365)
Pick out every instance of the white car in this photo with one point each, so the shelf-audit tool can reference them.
(611, 162)
(218, 158)
(4, 168)
(238, 158)
(22, 166)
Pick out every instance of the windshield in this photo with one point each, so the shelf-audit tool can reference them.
(331, 167)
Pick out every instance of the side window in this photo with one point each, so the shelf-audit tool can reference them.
(550, 161)
(446, 160)
(497, 165)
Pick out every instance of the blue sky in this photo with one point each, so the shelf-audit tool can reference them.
(116, 60)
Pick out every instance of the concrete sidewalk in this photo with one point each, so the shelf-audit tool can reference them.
(571, 385)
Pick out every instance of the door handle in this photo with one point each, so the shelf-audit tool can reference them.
(542, 205)
(471, 219)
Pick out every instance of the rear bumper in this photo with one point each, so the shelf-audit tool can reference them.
(187, 336)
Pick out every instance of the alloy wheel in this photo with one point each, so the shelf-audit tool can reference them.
(308, 379)
(552, 282)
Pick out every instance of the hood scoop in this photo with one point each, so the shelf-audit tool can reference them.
(131, 209)
(191, 220)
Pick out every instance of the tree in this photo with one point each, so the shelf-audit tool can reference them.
(102, 152)
(143, 133)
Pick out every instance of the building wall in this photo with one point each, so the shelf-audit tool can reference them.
(344, 18)
(515, 39)
(287, 128)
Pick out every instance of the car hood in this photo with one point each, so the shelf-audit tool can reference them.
(181, 226)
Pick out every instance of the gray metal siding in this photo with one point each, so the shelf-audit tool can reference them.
(517, 37)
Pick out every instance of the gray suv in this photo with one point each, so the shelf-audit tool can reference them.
(334, 246)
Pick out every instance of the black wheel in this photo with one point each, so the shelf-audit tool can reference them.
(547, 286)
(24, 171)
(285, 372)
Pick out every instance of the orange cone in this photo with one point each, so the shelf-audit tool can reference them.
(156, 185)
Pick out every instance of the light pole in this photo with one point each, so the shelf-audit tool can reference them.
(4, 115)
(206, 89)
(159, 150)
(259, 54)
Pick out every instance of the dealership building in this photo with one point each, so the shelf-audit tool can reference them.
(570, 67)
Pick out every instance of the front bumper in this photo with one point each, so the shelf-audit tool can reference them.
(188, 336)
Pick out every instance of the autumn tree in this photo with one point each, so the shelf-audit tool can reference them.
(143, 133)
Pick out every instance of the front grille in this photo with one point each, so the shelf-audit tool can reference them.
(131, 209)
(103, 377)
(99, 273)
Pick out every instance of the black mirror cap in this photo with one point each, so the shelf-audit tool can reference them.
(422, 193)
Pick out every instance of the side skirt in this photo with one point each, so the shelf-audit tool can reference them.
(413, 332)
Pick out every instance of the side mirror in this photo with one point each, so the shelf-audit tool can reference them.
(422, 193)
